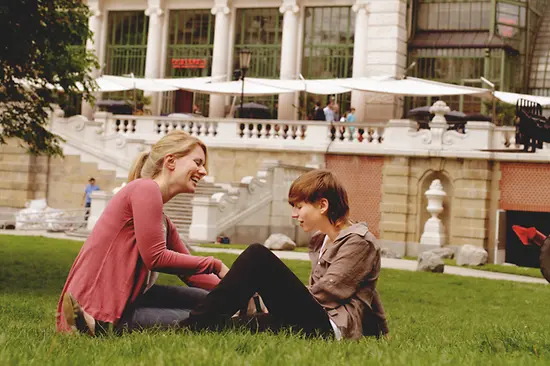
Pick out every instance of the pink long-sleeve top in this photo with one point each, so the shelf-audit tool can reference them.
(126, 243)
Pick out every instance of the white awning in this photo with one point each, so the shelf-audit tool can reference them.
(322, 87)
(411, 87)
(105, 84)
(512, 98)
(236, 88)
(152, 85)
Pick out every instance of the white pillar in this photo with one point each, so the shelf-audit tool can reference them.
(358, 98)
(100, 199)
(290, 10)
(154, 39)
(95, 24)
(219, 55)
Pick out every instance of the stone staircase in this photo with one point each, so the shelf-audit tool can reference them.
(180, 210)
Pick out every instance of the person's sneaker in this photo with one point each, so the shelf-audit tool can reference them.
(75, 316)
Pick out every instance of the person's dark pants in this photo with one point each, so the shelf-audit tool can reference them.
(161, 307)
(87, 210)
(257, 270)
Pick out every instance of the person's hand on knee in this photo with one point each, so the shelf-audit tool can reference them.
(223, 271)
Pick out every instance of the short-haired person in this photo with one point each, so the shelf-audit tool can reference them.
(112, 280)
(341, 299)
(87, 198)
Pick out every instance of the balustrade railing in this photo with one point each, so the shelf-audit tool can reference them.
(246, 129)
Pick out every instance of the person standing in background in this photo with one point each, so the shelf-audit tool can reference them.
(87, 199)
(350, 118)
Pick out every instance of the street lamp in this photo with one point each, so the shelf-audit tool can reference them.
(244, 63)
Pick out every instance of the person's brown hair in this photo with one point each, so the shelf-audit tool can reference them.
(312, 186)
(177, 143)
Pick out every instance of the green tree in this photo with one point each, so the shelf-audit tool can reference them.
(42, 51)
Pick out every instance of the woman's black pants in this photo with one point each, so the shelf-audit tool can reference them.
(257, 270)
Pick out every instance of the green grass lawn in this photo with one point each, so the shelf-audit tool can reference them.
(434, 319)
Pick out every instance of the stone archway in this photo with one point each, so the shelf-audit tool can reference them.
(423, 215)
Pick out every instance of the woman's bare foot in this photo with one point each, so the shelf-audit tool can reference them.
(76, 317)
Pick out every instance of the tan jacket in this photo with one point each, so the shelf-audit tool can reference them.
(344, 279)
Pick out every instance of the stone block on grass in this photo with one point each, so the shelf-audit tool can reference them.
(430, 262)
(279, 242)
(388, 253)
(444, 253)
(470, 255)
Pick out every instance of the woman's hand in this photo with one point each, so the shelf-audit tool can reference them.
(223, 271)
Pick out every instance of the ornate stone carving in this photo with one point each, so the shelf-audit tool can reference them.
(79, 121)
(440, 109)
(252, 183)
(221, 7)
(360, 5)
(289, 5)
(95, 8)
(120, 142)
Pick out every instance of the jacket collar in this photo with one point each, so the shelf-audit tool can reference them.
(359, 228)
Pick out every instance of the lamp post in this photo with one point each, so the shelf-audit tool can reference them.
(244, 63)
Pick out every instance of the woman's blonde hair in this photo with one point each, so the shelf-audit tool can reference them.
(177, 143)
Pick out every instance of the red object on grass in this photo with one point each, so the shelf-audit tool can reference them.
(529, 234)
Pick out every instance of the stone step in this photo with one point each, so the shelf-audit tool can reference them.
(178, 208)
(80, 233)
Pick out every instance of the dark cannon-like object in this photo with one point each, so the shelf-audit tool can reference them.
(532, 128)
(531, 236)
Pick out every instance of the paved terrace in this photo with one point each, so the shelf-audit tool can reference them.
(401, 264)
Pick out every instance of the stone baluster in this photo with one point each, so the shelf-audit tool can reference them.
(263, 132)
(375, 136)
(196, 129)
(347, 134)
(438, 125)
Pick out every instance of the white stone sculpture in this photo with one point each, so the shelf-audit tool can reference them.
(434, 231)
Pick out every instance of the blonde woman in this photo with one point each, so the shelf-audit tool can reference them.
(341, 299)
(112, 281)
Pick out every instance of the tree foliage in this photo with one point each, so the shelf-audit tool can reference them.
(42, 51)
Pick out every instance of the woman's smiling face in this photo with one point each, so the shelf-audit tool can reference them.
(189, 170)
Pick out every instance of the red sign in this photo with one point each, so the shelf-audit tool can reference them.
(188, 63)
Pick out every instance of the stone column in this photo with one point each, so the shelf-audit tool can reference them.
(95, 23)
(290, 10)
(358, 98)
(219, 57)
(387, 55)
(154, 40)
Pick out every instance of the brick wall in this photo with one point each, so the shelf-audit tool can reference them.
(524, 187)
(362, 177)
